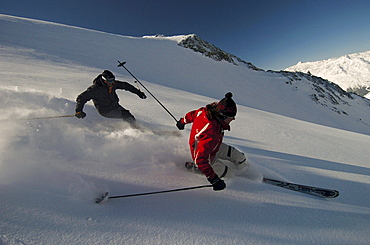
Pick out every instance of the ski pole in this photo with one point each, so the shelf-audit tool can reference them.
(123, 65)
(36, 118)
(105, 195)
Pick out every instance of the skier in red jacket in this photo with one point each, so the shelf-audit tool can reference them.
(206, 137)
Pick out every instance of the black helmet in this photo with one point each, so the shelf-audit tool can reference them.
(108, 75)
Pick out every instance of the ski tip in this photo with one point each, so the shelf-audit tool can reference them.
(102, 198)
(334, 194)
(265, 179)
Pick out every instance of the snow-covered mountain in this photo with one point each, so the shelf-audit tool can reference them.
(292, 126)
(351, 72)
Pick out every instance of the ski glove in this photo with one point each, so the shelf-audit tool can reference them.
(141, 95)
(80, 114)
(217, 183)
(180, 125)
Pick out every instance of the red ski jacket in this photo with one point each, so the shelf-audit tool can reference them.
(205, 138)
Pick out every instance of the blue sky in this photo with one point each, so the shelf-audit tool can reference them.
(272, 34)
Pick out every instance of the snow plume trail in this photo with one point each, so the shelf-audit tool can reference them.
(52, 155)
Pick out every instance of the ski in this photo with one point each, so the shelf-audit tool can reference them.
(102, 198)
(311, 190)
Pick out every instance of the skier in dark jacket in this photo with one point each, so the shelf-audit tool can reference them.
(103, 94)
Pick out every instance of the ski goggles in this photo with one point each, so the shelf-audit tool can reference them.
(224, 117)
(110, 79)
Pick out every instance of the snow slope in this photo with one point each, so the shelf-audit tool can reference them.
(351, 72)
(52, 169)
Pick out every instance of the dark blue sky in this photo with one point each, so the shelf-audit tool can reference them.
(271, 34)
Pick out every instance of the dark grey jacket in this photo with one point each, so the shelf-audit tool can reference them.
(104, 100)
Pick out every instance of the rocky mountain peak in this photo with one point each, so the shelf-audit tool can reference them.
(197, 44)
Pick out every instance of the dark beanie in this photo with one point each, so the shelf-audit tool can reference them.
(227, 106)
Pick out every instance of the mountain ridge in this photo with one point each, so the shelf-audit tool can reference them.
(351, 72)
(195, 43)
